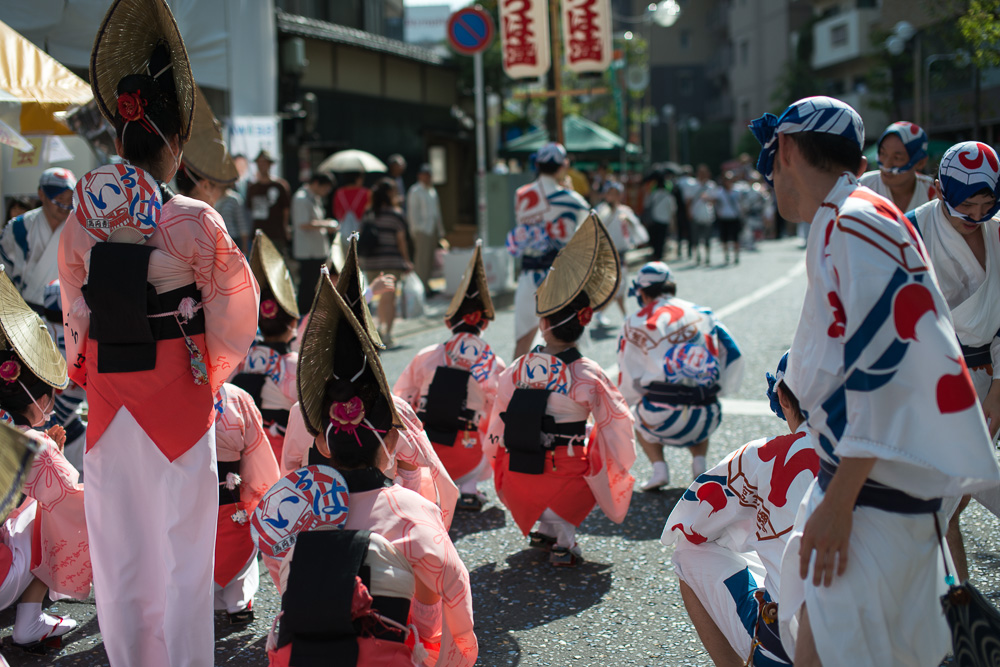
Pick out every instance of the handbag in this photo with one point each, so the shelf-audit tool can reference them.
(973, 621)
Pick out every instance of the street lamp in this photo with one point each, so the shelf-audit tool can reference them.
(664, 13)
(961, 57)
(895, 44)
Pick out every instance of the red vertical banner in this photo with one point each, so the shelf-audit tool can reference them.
(524, 38)
(586, 31)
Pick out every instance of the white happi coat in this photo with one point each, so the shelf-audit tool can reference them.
(922, 193)
(974, 301)
(29, 249)
(877, 368)
(547, 215)
(675, 341)
(735, 520)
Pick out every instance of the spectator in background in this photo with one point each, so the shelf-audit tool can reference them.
(397, 165)
(729, 215)
(659, 208)
(626, 233)
(29, 244)
(17, 206)
(424, 213)
(391, 254)
(598, 183)
(312, 235)
(684, 186)
(270, 200)
(232, 207)
(349, 205)
(700, 200)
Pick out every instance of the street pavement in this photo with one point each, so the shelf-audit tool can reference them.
(622, 606)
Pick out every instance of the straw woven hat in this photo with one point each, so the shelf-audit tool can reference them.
(319, 361)
(205, 153)
(589, 263)
(131, 30)
(269, 269)
(473, 286)
(349, 286)
(25, 332)
(16, 454)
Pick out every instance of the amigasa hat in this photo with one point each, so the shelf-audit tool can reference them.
(330, 321)
(349, 286)
(24, 332)
(17, 451)
(129, 33)
(205, 154)
(589, 263)
(473, 287)
(272, 274)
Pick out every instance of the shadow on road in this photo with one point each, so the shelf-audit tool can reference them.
(644, 521)
(466, 523)
(529, 593)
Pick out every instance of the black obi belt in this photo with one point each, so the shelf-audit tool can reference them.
(123, 304)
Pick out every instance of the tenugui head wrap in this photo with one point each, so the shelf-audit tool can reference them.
(812, 114)
(966, 169)
(651, 273)
(772, 386)
(914, 140)
(551, 153)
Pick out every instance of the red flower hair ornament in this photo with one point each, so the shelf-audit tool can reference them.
(585, 315)
(10, 371)
(131, 106)
(269, 309)
(473, 319)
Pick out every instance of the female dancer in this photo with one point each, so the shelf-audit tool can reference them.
(553, 467)
(161, 308)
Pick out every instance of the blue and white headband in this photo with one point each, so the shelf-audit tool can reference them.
(966, 169)
(651, 273)
(812, 114)
(772, 386)
(914, 141)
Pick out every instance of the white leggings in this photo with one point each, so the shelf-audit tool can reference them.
(553, 525)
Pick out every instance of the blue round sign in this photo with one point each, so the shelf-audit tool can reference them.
(470, 31)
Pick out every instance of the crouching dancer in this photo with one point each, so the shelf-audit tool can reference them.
(879, 373)
(735, 519)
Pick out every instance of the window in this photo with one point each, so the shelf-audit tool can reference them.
(685, 84)
(744, 52)
(685, 38)
(838, 35)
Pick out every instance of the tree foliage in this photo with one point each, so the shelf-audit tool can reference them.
(980, 27)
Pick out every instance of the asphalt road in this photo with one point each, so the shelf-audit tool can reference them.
(622, 606)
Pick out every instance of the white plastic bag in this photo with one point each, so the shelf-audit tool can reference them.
(411, 298)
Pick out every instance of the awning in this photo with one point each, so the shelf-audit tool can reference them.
(33, 86)
(583, 138)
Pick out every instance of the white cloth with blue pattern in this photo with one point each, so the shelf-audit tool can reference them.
(676, 342)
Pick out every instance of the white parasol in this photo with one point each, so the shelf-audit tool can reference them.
(353, 160)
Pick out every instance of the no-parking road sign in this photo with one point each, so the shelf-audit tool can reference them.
(470, 31)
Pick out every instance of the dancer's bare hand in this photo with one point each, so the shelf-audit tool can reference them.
(58, 435)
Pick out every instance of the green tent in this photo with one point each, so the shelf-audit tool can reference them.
(584, 139)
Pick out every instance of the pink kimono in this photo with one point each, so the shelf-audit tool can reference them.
(415, 527)
(413, 447)
(60, 553)
(150, 461)
(467, 352)
(576, 475)
(241, 443)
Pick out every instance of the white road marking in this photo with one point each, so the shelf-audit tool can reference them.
(747, 407)
(761, 292)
